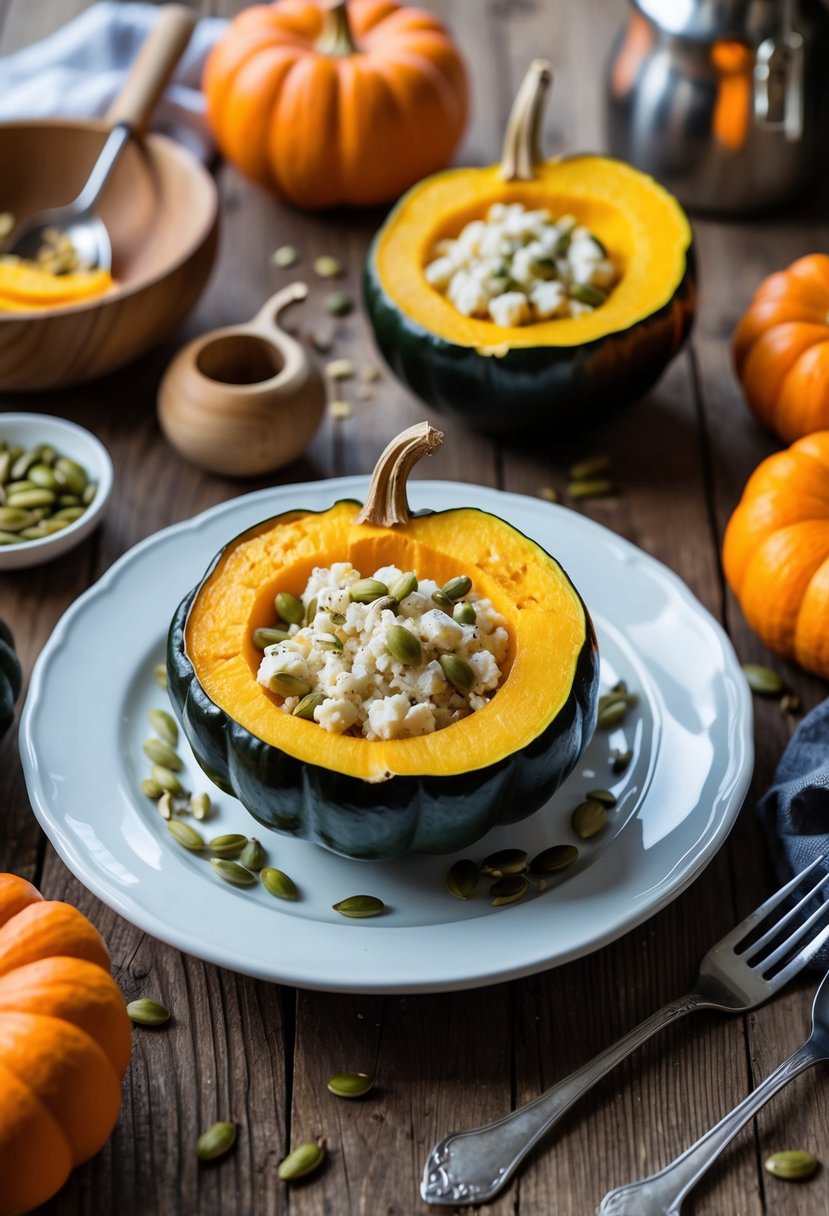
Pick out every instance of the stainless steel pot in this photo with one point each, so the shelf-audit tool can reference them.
(724, 101)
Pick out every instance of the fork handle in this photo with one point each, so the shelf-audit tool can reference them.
(473, 1166)
(662, 1194)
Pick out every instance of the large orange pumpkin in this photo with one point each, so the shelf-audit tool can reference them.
(329, 104)
(776, 552)
(64, 1044)
(781, 349)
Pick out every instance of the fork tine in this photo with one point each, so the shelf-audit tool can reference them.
(799, 961)
(776, 929)
(793, 939)
(759, 914)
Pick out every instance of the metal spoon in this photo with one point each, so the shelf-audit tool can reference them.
(130, 114)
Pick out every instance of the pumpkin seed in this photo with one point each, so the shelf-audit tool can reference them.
(371, 374)
(228, 845)
(71, 475)
(40, 474)
(443, 601)
(556, 857)
(164, 725)
(586, 293)
(278, 884)
(161, 753)
(464, 614)
(327, 641)
(505, 861)
(69, 513)
(457, 587)
(151, 788)
(619, 760)
(186, 836)
(359, 906)
(160, 674)
(618, 696)
(10, 538)
(457, 671)
(302, 1161)
(793, 1165)
(508, 890)
(68, 500)
(463, 878)
(216, 1141)
(588, 818)
(200, 806)
(284, 256)
(15, 519)
(350, 1084)
(89, 492)
(365, 590)
(311, 612)
(339, 304)
(147, 1012)
(599, 487)
(167, 779)
(340, 409)
(611, 716)
(30, 498)
(336, 618)
(46, 527)
(763, 680)
(289, 608)
(403, 587)
(592, 466)
(23, 463)
(327, 267)
(339, 369)
(549, 493)
(165, 805)
(402, 644)
(603, 796)
(268, 637)
(232, 872)
(305, 708)
(285, 685)
(790, 703)
(253, 856)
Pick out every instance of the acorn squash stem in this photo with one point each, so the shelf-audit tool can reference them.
(522, 144)
(386, 502)
(336, 38)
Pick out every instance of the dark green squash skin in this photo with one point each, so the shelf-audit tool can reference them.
(378, 820)
(530, 389)
(11, 678)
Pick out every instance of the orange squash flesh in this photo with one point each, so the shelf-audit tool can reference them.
(544, 615)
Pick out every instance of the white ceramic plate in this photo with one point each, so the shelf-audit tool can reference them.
(85, 719)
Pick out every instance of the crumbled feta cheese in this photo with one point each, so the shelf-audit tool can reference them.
(511, 308)
(549, 299)
(467, 293)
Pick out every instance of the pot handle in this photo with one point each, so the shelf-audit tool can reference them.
(778, 79)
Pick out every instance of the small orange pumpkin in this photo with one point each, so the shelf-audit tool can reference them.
(781, 349)
(776, 552)
(348, 103)
(64, 1044)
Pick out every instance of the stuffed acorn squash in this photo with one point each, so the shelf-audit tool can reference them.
(564, 370)
(382, 797)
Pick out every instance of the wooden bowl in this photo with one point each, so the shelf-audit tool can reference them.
(161, 210)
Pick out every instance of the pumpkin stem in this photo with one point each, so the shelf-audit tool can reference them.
(386, 502)
(336, 37)
(522, 146)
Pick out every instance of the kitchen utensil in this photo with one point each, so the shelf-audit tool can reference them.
(735, 975)
(245, 399)
(129, 115)
(662, 1194)
(725, 103)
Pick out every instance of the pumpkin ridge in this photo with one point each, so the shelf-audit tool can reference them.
(35, 1155)
(50, 927)
(15, 894)
(800, 406)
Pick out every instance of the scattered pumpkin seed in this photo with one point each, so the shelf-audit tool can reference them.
(167, 779)
(340, 409)
(284, 256)
(151, 788)
(350, 1084)
(403, 587)
(611, 716)
(618, 696)
(339, 369)
(508, 890)
(457, 588)
(328, 641)
(327, 267)
(277, 883)
(588, 818)
(443, 601)
(164, 725)
(619, 760)
(147, 1012)
(792, 1165)
(370, 373)
(6, 223)
(312, 612)
(339, 304)
(232, 872)
(463, 878)
(464, 613)
(402, 645)
(165, 805)
(200, 806)
(160, 674)
(302, 1161)
(305, 708)
(457, 671)
(790, 703)
(186, 836)
(763, 680)
(162, 753)
(586, 293)
(505, 861)
(216, 1141)
(228, 845)
(365, 590)
(605, 797)
(549, 493)
(359, 906)
(253, 855)
(285, 685)
(599, 487)
(289, 608)
(556, 857)
(269, 637)
(591, 466)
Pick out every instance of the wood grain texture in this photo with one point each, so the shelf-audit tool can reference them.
(262, 1054)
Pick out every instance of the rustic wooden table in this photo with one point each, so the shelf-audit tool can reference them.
(262, 1053)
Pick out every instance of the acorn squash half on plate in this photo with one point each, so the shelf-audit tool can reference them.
(381, 798)
(550, 373)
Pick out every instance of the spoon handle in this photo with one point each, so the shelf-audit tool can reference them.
(662, 1194)
(153, 67)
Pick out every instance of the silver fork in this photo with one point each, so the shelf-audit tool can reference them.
(473, 1166)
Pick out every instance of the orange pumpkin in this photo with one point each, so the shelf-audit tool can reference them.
(776, 552)
(781, 349)
(64, 1044)
(349, 103)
